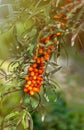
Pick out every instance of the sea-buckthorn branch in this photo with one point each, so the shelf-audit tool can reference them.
(41, 45)
(36, 69)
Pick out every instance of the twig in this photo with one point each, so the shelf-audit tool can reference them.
(37, 3)
(6, 93)
(39, 101)
(57, 3)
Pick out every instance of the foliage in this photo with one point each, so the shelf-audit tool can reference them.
(58, 116)
(36, 25)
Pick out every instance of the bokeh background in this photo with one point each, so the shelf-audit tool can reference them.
(67, 111)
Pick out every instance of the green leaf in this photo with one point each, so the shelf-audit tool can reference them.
(2, 72)
(31, 47)
(49, 43)
(52, 63)
(25, 120)
(24, 124)
(12, 115)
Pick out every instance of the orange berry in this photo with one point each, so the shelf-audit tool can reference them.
(42, 59)
(30, 78)
(26, 78)
(34, 65)
(40, 51)
(34, 58)
(47, 39)
(39, 84)
(33, 81)
(40, 71)
(38, 77)
(56, 17)
(31, 92)
(36, 74)
(35, 70)
(48, 51)
(45, 53)
(34, 77)
(35, 84)
(25, 90)
(30, 68)
(58, 33)
(30, 88)
(42, 64)
(38, 60)
(32, 84)
(38, 81)
(46, 57)
(63, 24)
(36, 89)
(32, 73)
(29, 82)
(26, 85)
(41, 78)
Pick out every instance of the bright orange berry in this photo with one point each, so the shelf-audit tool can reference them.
(35, 70)
(40, 71)
(56, 17)
(31, 92)
(30, 68)
(36, 89)
(34, 65)
(38, 60)
(42, 59)
(46, 57)
(26, 85)
(29, 82)
(25, 90)
(32, 73)
(58, 33)
(40, 51)
(30, 88)
(34, 77)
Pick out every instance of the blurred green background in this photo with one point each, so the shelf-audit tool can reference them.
(67, 113)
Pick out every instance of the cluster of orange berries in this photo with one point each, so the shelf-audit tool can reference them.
(42, 54)
(61, 18)
(36, 69)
